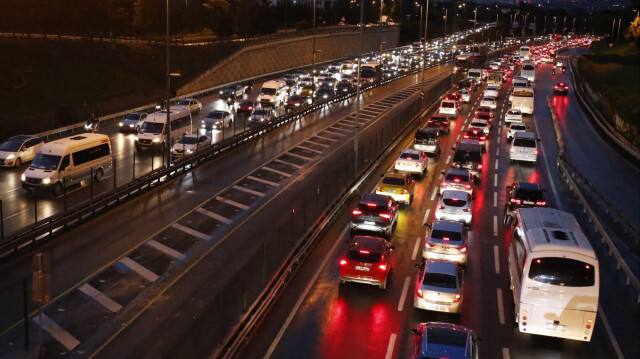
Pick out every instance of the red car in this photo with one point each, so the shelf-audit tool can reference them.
(368, 261)
(247, 106)
(439, 121)
(560, 88)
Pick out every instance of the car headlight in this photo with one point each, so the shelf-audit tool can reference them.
(156, 140)
(46, 180)
(120, 124)
(23, 177)
(10, 157)
(131, 125)
(189, 151)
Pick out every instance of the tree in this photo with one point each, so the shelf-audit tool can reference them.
(634, 29)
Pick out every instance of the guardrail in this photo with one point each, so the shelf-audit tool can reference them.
(569, 173)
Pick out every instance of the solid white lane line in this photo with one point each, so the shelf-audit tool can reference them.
(190, 231)
(500, 306)
(213, 215)
(166, 249)
(607, 327)
(433, 195)
(102, 299)
(505, 353)
(287, 163)
(495, 226)
(247, 190)
(284, 174)
(496, 163)
(138, 268)
(415, 248)
(495, 180)
(403, 295)
(64, 337)
(495, 199)
(311, 283)
(448, 159)
(426, 216)
(392, 343)
(231, 202)
(496, 258)
(257, 179)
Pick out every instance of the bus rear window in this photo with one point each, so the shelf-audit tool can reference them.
(562, 271)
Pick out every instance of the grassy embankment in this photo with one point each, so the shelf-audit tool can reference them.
(615, 74)
(45, 84)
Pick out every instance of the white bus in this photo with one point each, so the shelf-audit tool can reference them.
(68, 161)
(528, 71)
(522, 99)
(554, 275)
(525, 53)
(153, 132)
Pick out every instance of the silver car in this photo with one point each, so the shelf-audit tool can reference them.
(439, 286)
(132, 121)
(261, 115)
(455, 206)
(458, 179)
(189, 144)
(446, 240)
(19, 149)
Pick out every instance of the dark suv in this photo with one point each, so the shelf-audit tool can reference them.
(375, 212)
(469, 156)
(523, 195)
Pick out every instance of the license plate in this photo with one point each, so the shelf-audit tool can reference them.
(558, 327)
(439, 308)
(364, 269)
(370, 223)
(527, 202)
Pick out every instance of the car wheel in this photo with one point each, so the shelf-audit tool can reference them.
(384, 284)
(18, 162)
(57, 188)
(98, 175)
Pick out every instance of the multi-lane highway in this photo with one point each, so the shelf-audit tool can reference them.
(145, 279)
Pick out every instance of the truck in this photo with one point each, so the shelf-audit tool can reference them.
(495, 79)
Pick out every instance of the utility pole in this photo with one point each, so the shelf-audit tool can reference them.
(358, 92)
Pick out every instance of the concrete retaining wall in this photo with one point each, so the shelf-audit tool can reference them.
(276, 56)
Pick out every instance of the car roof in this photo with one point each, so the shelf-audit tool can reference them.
(450, 341)
(411, 151)
(439, 266)
(457, 171)
(527, 185)
(396, 175)
(22, 137)
(370, 243)
(454, 193)
(450, 226)
(524, 134)
(379, 199)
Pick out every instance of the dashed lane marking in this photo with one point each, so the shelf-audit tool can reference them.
(261, 180)
(495, 226)
(213, 215)
(190, 231)
(64, 337)
(231, 202)
(495, 180)
(496, 258)
(256, 193)
(500, 306)
(495, 199)
(299, 156)
(310, 149)
(415, 249)
(285, 174)
(287, 163)
(138, 268)
(166, 249)
(318, 143)
(496, 166)
(433, 195)
(505, 353)
(327, 138)
(392, 343)
(102, 299)
(403, 295)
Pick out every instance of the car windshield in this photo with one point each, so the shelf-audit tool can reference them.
(364, 256)
(467, 156)
(440, 280)
(183, 102)
(446, 104)
(132, 116)
(446, 235)
(11, 145)
(246, 103)
(514, 112)
(422, 135)
(454, 202)
(477, 124)
(528, 195)
(45, 162)
(268, 91)
(457, 177)
(230, 88)
(393, 181)
(446, 338)
(215, 115)
(524, 142)
(260, 112)
(409, 156)
(518, 127)
(483, 116)
(188, 140)
(153, 127)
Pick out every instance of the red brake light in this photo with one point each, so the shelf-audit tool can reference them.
(457, 298)
(483, 137)
(373, 205)
(343, 262)
(445, 238)
(466, 136)
(379, 188)
(444, 184)
(440, 206)
(466, 210)
(468, 186)
(419, 293)
(385, 215)
(383, 267)
(513, 150)
(515, 200)
(404, 191)
(535, 152)
(463, 249)
(541, 203)
(429, 245)
(364, 251)
(479, 167)
(356, 212)
(456, 180)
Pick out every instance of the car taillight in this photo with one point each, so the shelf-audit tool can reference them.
(356, 212)
(444, 184)
(513, 150)
(479, 167)
(463, 249)
(535, 152)
(428, 245)
(397, 162)
(419, 293)
(383, 267)
(466, 210)
(467, 186)
(440, 206)
(404, 191)
(343, 262)
(466, 136)
(483, 137)
(379, 188)
(457, 298)
(541, 203)
(385, 215)
(515, 200)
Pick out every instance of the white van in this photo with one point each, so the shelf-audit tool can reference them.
(524, 147)
(273, 93)
(495, 80)
(153, 132)
(477, 74)
(528, 71)
(525, 53)
(449, 108)
(68, 161)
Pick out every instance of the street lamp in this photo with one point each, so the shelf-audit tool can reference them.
(419, 24)
(168, 94)
(446, 12)
(475, 17)
(381, 1)
(554, 27)
(524, 25)
(358, 92)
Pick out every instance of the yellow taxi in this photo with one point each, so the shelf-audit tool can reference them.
(399, 186)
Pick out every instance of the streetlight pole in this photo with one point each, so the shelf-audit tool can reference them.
(446, 12)
(424, 51)
(381, 1)
(524, 25)
(619, 22)
(564, 26)
(554, 27)
(475, 17)
(167, 147)
(419, 24)
(358, 92)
